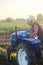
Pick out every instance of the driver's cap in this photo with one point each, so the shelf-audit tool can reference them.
(29, 20)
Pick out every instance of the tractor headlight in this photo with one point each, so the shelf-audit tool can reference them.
(36, 38)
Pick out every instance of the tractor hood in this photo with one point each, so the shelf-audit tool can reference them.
(22, 35)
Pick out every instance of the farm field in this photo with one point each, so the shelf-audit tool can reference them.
(9, 27)
(6, 30)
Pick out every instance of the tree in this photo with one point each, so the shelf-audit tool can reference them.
(39, 17)
(9, 19)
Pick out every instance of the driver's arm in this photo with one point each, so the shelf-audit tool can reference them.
(35, 31)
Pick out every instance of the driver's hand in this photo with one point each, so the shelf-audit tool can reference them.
(30, 35)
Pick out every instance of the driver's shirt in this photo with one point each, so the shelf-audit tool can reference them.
(40, 31)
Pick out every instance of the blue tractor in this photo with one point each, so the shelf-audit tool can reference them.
(25, 50)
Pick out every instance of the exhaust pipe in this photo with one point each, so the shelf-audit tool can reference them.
(16, 31)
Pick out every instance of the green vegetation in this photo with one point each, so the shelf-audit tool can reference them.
(9, 27)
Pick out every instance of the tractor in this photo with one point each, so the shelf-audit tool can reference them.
(25, 50)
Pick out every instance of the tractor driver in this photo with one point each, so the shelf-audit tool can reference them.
(36, 29)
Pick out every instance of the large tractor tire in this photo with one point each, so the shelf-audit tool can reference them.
(25, 55)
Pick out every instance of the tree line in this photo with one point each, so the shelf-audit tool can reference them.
(39, 18)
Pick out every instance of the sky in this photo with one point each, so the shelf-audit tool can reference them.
(20, 8)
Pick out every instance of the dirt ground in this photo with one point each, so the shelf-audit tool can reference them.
(3, 61)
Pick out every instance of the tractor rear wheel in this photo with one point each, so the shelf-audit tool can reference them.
(25, 55)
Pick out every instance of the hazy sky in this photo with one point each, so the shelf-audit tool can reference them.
(20, 8)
